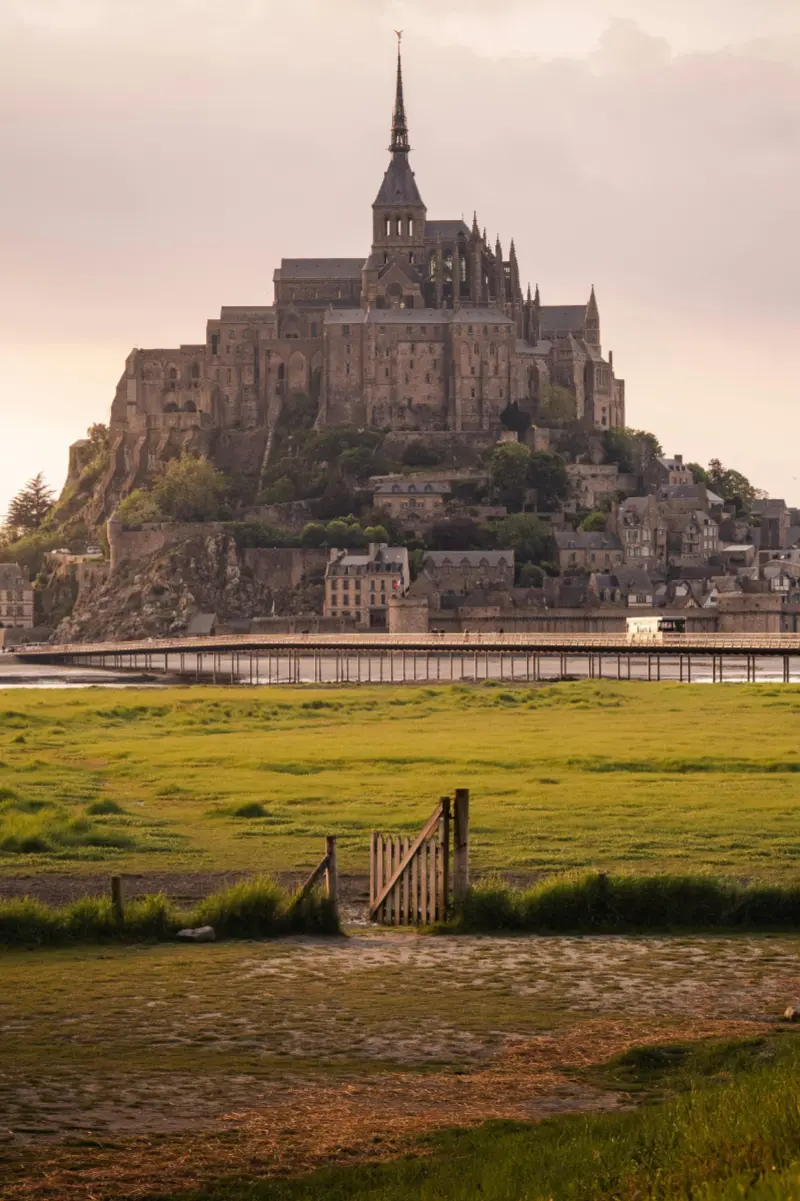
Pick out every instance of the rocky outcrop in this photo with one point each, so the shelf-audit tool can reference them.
(205, 572)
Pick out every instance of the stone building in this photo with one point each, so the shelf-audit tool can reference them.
(16, 598)
(584, 551)
(360, 585)
(409, 499)
(428, 332)
(462, 571)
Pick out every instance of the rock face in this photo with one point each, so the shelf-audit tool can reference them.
(158, 594)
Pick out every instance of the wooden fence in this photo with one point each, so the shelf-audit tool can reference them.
(410, 879)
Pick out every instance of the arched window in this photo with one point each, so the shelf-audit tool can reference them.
(195, 371)
(190, 407)
(173, 374)
(171, 407)
(463, 270)
(387, 227)
(281, 371)
(399, 227)
(411, 227)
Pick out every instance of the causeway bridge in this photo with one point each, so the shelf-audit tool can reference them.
(383, 658)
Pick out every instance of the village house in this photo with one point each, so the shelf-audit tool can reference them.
(408, 499)
(582, 551)
(593, 484)
(359, 585)
(462, 571)
(667, 473)
(692, 538)
(642, 531)
(16, 598)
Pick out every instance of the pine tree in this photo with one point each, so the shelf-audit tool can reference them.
(30, 506)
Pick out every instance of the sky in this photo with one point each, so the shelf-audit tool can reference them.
(159, 157)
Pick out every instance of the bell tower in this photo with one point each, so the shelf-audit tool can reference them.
(398, 214)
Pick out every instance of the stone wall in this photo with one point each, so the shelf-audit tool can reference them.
(749, 613)
(286, 567)
(408, 615)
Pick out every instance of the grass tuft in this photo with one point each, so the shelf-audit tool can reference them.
(257, 908)
(601, 904)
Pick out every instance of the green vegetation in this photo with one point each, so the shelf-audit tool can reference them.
(601, 904)
(515, 470)
(256, 908)
(187, 489)
(564, 777)
(729, 1129)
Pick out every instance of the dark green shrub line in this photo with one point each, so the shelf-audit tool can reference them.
(257, 908)
(596, 903)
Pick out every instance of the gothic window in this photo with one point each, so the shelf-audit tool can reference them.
(345, 331)
(281, 371)
(313, 329)
(190, 407)
(427, 378)
(411, 256)
(348, 348)
(195, 371)
(463, 270)
(473, 370)
(411, 227)
(387, 372)
(477, 348)
(432, 267)
(399, 227)
(173, 374)
(472, 393)
(387, 227)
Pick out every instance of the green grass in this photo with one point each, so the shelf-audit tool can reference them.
(632, 777)
(599, 904)
(730, 1129)
(256, 908)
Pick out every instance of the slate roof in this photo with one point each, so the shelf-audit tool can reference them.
(242, 312)
(586, 540)
(447, 230)
(563, 318)
(474, 558)
(399, 185)
(406, 488)
(349, 269)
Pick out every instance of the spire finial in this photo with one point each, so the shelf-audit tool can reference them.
(399, 127)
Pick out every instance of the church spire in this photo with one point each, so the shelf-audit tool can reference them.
(399, 125)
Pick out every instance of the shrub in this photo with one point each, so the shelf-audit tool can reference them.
(250, 809)
(104, 808)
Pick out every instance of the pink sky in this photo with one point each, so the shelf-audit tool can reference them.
(161, 156)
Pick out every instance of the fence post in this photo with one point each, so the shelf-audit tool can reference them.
(331, 871)
(444, 866)
(117, 900)
(461, 846)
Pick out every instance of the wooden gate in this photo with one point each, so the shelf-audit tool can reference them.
(410, 880)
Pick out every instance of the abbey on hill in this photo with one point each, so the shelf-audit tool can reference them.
(431, 332)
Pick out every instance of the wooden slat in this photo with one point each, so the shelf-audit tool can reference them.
(397, 865)
(428, 830)
(406, 881)
(373, 839)
(414, 908)
(387, 875)
(423, 884)
(432, 851)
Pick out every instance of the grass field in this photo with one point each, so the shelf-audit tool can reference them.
(638, 777)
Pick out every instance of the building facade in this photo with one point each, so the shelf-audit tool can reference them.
(360, 586)
(16, 598)
(428, 331)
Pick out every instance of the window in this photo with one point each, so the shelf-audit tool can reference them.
(345, 331)
(473, 393)
(281, 371)
(347, 369)
(411, 227)
(313, 329)
(347, 348)
(476, 348)
(387, 227)
(387, 372)
(399, 227)
(427, 378)
(215, 344)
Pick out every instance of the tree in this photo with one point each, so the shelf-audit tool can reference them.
(189, 489)
(30, 506)
(99, 437)
(548, 476)
(509, 466)
(417, 454)
(528, 537)
(456, 533)
(594, 522)
(732, 485)
(530, 576)
(515, 418)
(699, 473)
(557, 405)
(313, 534)
(280, 492)
(376, 533)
